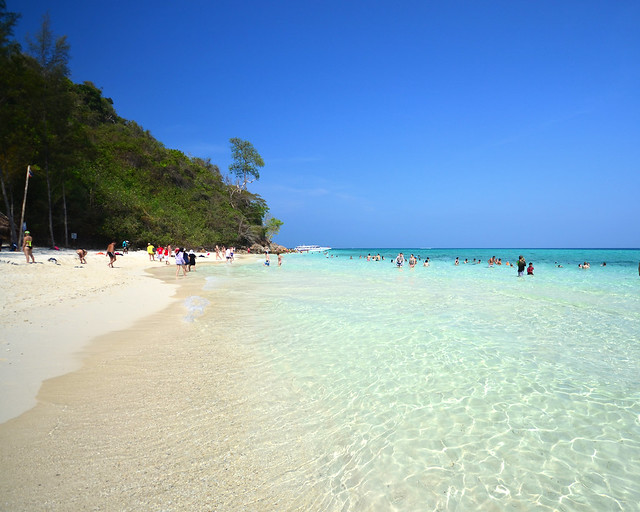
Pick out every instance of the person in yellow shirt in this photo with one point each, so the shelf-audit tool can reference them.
(151, 251)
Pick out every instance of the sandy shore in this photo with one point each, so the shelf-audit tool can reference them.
(52, 309)
(156, 414)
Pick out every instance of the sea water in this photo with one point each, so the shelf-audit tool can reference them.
(446, 387)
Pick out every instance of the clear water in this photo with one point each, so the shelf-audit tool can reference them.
(447, 387)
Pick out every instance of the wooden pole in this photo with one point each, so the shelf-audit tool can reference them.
(24, 204)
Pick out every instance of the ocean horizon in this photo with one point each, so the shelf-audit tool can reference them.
(447, 387)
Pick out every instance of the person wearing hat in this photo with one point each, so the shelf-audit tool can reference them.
(27, 247)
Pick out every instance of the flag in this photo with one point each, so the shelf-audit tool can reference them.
(29, 172)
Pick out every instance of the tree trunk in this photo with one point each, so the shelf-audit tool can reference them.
(9, 207)
(66, 223)
(53, 241)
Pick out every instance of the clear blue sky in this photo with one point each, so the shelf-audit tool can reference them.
(382, 124)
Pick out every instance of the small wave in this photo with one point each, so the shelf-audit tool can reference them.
(195, 307)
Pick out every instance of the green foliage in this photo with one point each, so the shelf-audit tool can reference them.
(117, 181)
(246, 162)
(272, 227)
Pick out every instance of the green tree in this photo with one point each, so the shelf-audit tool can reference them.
(16, 138)
(51, 53)
(272, 227)
(246, 163)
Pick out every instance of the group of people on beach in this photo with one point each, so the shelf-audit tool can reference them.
(185, 261)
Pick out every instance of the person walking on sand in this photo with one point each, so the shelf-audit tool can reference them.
(81, 254)
(151, 251)
(27, 247)
(521, 265)
(111, 252)
(180, 262)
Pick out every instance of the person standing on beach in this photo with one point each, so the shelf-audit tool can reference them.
(150, 250)
(180, 262)
(27, 247)
(111, 252)
(521, 265)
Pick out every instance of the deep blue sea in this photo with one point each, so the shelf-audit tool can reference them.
(444, 387)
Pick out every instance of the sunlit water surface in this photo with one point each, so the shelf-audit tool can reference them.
(447, 387)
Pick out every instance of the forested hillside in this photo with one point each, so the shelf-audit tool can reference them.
(104, 177)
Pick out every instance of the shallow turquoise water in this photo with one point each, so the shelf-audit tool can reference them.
(449, 387)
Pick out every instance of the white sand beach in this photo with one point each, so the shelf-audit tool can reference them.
(51, 310)
(137, 410)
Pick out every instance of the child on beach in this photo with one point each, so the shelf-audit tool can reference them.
(530, 269)
(82, 253)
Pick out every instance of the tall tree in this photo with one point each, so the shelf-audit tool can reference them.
(13, 105)
(52, 55)
(246, 162)
(8, 21)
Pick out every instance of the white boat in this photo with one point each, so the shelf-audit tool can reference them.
(311, 248)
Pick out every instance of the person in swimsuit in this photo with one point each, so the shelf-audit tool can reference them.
(81, 254)
(530, 269)
(27, 247)
(400, 260)
(111, 252)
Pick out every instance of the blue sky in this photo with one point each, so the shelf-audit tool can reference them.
(385, 124)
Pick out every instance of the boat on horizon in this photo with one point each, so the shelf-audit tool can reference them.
(311, 248)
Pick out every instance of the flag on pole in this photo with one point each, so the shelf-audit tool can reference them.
(29, 171)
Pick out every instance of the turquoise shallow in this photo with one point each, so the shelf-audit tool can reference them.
(446, 387)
